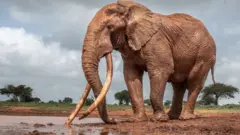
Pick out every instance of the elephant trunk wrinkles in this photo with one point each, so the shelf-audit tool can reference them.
(90, 62)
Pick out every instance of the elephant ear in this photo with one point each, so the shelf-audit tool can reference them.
(141, 26)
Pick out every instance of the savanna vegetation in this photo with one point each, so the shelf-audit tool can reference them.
(21, 95)
(211, 94)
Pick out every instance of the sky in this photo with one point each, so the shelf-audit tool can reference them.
(41, 42)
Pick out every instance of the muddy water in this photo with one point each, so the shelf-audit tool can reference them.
(211, 124)
(21, 125)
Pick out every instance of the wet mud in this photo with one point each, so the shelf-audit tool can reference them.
(207, 124)
(224, 124)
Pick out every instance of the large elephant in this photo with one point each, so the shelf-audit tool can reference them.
(174, 48)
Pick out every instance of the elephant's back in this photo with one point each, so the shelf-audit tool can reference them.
(182, 17)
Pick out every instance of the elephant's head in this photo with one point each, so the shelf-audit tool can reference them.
(113, 26)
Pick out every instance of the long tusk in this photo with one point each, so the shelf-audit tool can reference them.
(79, 105)
(104, 89)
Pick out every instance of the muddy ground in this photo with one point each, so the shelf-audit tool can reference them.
(223, 124)
(207, 123)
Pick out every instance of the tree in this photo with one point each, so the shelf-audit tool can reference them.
(36, 100)
(67, 100)
(59, 101)
(147, 101)
(20, 93)
(52, 102)
(118, 96)
(25, 94)
(206, 100)
(12, 100)
(122, 96)
(89, 101)
(167, 103)
(216, 92)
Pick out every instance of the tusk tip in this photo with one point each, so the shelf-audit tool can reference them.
(67, 125)
(83, 116)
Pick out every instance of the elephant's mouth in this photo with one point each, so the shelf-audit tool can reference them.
(118, 39)
(100, 97)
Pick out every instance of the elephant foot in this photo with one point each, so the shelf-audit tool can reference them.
(138, 118)
(187, 116)
(160, 116)
(173, 115)
(110, 121)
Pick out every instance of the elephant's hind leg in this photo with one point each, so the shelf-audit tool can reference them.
(176, 108)
(195, 84)
(133, 78)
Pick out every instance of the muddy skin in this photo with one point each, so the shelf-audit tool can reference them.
(187, 115)
(137, 118)
(178, 94)
(175, 48)
(159, 116)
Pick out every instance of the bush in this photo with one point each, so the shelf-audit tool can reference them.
(89, 101)
(231, 106)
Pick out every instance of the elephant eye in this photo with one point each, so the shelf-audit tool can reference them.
(110, 12)
(121, 13)
(110, 26)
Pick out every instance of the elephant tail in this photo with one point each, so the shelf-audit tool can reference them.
(212, 72)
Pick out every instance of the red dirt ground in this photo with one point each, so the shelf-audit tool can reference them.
(210, 123)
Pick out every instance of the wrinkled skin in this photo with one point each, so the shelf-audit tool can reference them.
(174, 48)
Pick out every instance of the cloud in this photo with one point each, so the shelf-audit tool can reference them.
(67, 20)
(26, 58)
(29, 51)
(232, 30)
(46, 66)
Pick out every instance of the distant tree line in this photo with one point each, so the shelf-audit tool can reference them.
(23, 93)
(210, 95)
(66, 100)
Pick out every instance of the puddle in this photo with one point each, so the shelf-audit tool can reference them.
(39, 125)
(21, 125)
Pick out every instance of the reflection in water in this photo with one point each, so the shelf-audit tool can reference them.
(12, 123)
(104, 133)
(88, 131)
(9, 120)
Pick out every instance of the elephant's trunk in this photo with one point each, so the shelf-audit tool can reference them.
(90, 66)
(90, 61)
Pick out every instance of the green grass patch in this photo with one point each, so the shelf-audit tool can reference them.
(230, 108)
(55, 106)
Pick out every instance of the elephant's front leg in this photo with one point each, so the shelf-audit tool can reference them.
(133, 78)
(158, 80)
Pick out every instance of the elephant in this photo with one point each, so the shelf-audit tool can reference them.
(175, 48)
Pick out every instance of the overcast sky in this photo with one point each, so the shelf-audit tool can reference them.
(41, 41)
